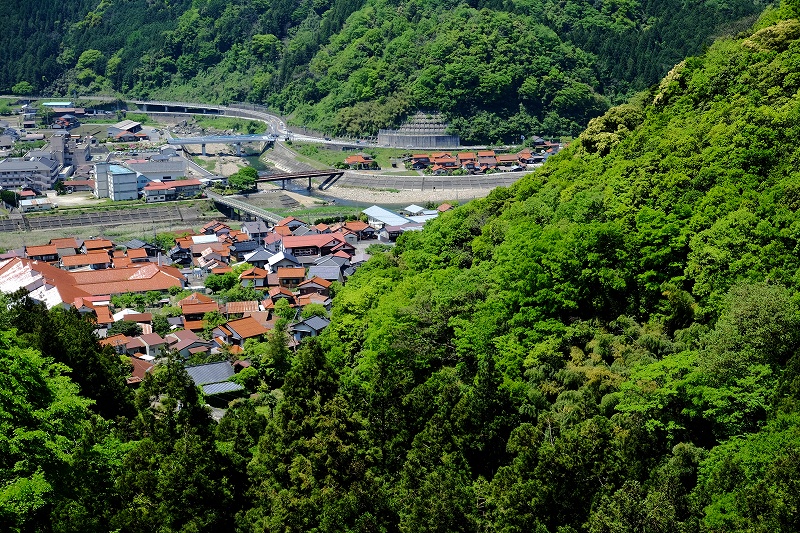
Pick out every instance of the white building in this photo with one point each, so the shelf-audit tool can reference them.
(160, 170)
(115, 182)
(36, 172)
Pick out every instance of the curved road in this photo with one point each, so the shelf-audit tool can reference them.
(351, 178)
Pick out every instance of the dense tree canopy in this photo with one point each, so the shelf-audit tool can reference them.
(497, 70)
(609, 345)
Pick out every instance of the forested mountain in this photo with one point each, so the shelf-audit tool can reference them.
(497, 69)
(610, 345)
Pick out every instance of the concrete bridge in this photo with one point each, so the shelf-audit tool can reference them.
(238, 205)
(178, 107)
(236, 140)
(330, 176)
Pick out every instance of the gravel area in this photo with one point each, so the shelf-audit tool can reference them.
(371, 196)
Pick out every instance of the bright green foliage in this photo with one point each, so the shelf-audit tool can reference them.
(125, 327)
(314, 310)
(41, 416)
(244, 179)
(211, 320)
(68, 338)
(221, 282)
(609, 345)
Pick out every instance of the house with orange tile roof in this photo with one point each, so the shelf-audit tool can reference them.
(95, 245)
(420, 161)
(276, 293)
(254, 277)
(193, 312)
(291, 277)
(137, 255)
(215, 227)
(282, 230)
(314, 298)
(240, 308)
(149, 277)
(235, 332)
(322, 228)
(468, 161)
(360, 162)
(315, 244)
(67, 242)
(94, 260)
(445, 160)
(315, 285)
(507, 160)
(47, 253)
(439, 170)
(121, 262)
(118, 342)
(196, 298)
(361, 229)
(291, 222)
(221, 270)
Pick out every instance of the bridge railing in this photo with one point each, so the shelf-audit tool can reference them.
(242, 206)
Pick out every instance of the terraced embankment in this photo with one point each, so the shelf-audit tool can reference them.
(155, 215)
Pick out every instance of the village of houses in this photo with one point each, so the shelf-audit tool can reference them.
(291, 261)
(480, 162)
(85, 164)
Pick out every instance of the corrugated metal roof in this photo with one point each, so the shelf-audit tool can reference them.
(331, 273)
(317, 323)
(219, 388)
(385, 216)
(210, 373)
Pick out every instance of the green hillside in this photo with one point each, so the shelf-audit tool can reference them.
(610, 345)
(497, 70)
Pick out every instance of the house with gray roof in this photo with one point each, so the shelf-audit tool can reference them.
(310, 327)
(243, 248)
(259, 258)
(282, 260)
(329, 273)
(256, 229)
(213, 377)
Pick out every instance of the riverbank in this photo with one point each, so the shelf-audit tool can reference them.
(366, 197)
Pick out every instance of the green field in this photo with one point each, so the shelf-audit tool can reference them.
(312, 214)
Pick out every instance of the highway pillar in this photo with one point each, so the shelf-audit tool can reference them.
(238, 149)
(283, 185)
(309, 184)
(203, 149)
